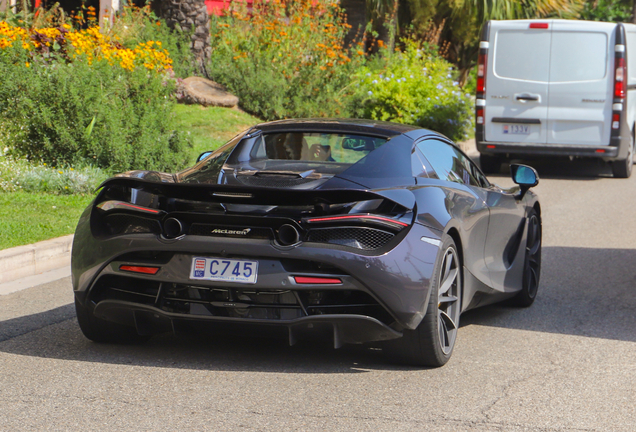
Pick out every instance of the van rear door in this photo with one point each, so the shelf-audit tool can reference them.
(581, 83)
(517, 81)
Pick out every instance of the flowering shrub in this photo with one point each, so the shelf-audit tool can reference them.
(284, 58)
(414, 87)
(91, 44)
(70, 97)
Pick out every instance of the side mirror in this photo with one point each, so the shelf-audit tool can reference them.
(525, 176)
(204, 155)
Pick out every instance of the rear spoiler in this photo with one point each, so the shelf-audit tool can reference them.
(256, 195)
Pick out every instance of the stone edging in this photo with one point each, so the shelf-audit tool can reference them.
(33, 259)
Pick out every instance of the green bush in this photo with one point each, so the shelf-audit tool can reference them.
(416, 87)
(285, 59)
(78, 113)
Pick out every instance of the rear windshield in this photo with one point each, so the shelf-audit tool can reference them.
(314, 147)
(522, 54)
(326, 154)
(556, 57)
(578, 56)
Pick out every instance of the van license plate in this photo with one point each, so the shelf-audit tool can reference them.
(516, 129)
(224, 270)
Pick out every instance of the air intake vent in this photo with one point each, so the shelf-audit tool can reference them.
(356, 237)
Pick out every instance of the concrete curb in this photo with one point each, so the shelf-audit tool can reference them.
(29, 260)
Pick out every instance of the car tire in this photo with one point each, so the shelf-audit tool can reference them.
(532, 263)
(102, 331)
(431, 343)
(489, 164)
(623, 168)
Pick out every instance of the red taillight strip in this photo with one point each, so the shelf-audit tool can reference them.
(316, 280)
(539, 25)
(112, 205)
(140, 269)
(619, 77)
(358, 217)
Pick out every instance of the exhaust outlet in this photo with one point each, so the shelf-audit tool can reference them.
(172, 228)
(288, 235)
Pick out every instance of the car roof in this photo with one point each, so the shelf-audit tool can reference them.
(361, 126)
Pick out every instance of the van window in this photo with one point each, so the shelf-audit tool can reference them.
(522, 55)
(578, 56)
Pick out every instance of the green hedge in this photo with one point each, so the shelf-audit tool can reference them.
(79, 113)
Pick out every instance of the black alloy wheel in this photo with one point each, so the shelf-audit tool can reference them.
(432, 342)
(532, 263)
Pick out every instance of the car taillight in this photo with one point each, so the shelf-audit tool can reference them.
(361, 218)
(482, 62)
(480, 115)
(539, 25)
(619, 74)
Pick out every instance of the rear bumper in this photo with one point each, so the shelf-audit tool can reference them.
(517, 149)
(342, 329)
(397, 286)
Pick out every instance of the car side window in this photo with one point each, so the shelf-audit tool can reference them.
(448, 162)
(420, 166)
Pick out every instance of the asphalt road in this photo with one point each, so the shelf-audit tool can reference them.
(565, 364)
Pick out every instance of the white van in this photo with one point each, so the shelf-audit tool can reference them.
(556, 87)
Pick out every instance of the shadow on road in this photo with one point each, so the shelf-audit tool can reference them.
(584, 292)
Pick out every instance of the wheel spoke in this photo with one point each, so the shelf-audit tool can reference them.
(447, 299)
(448, 282)
(448, 322)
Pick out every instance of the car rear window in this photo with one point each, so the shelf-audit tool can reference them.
(314, 147)
(522, 55)
(578, 56)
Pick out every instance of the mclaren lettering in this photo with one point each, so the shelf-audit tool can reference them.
(231, 232)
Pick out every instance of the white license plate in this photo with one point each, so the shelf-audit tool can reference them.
(516, 129)
(224, 270)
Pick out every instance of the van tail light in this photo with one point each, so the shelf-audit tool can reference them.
(616, 120)
(480, 115)
(539, 25)
(482, 60)
(620, 75)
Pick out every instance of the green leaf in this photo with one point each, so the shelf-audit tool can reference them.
(89, 128)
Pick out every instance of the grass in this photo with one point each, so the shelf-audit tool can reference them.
(29, 217)
(211, 127)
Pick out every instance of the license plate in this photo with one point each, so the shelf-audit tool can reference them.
(516, 129)
(224, 270)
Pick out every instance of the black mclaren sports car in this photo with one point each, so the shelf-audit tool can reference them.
(357, 230)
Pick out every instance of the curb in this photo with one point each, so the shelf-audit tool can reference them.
(29, 260)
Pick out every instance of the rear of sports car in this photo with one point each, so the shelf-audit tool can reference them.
(153, 253)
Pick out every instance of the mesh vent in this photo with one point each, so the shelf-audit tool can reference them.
(272, 181)
(357, 237)
(129, 224)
